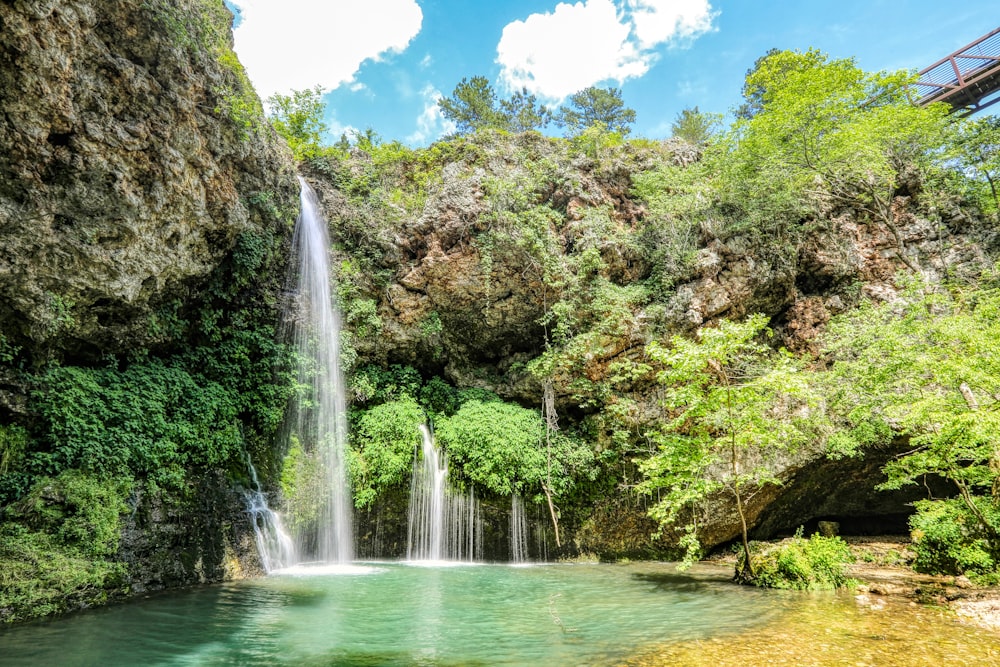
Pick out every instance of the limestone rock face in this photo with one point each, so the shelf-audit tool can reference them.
(130, 161)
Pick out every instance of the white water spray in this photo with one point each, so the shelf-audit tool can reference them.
(319, 421)
(518, 530)
(274, 545)
(443, 525)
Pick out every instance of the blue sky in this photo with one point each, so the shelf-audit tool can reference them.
(385, 63)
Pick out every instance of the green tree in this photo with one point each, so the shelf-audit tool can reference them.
(600, 107)
(826, 131)
(522, 112)
(496, 445)
(977, 148)
(298, 118)
(768, 71)
(929, 365)
(696, 127)
(732, 408)
(473, 106)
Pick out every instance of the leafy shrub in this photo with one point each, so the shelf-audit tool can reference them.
(949, 539)
(497, 445)
(385, 438)
(152, 419)
(57, 546)
(818, 563)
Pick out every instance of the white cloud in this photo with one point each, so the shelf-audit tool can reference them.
(295, 44)
(657, 21)
(578, 45)
(338, 129)
(430, 123)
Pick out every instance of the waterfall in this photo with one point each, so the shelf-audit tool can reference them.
(318, 420)
(274, 545)
(444, 524)
(518, 530)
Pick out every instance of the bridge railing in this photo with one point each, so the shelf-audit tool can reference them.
(960, 78)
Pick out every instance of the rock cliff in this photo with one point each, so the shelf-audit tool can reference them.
(133, 152)
(137, 175)
(521, 235)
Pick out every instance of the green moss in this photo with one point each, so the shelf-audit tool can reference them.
(57, 546)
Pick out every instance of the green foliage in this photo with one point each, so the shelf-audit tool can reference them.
(596, 107)
(303, 485)
(40, 577)
(930, 365)
(674, 197)
(501, 447)
(81, 510)
(298, 117)
(374, 384)
(522, 112)
(439, 398)
(977, 151)
(949, 538)
(151, 419)
(474, 105)
(821, 131)
(818, 563)
(384, 439)
(13, 444)
(498, 446)
(56, 546)
(769, 72)
(732, 406)
(359, 312)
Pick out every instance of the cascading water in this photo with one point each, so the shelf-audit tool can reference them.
(443, 525)
(274, 545)
(318, 420)
(518, 530)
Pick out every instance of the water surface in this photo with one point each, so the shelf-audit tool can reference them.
(396, 614)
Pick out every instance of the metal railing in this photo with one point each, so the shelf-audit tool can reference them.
(968, 79)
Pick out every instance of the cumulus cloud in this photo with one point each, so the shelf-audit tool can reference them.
(577, 45)
(430, 123)
(655, 22)
(295, 44)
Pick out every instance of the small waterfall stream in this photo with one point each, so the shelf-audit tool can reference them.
(443, 524)
(317, 420)
(518, 530)
(274, 544)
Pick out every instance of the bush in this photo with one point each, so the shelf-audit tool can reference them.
(58, 545)
(152, 419)
(818, 563)
(497, 445)
(385, 438)
(949, 539)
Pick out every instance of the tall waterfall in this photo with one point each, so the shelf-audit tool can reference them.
(318, 420)
(274, 545)
(518, 530)
(444, 525)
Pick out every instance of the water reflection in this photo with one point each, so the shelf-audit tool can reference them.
(641, 614)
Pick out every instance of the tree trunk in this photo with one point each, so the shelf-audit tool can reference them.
(551, 424)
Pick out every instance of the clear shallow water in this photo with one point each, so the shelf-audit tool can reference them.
(395, 614)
